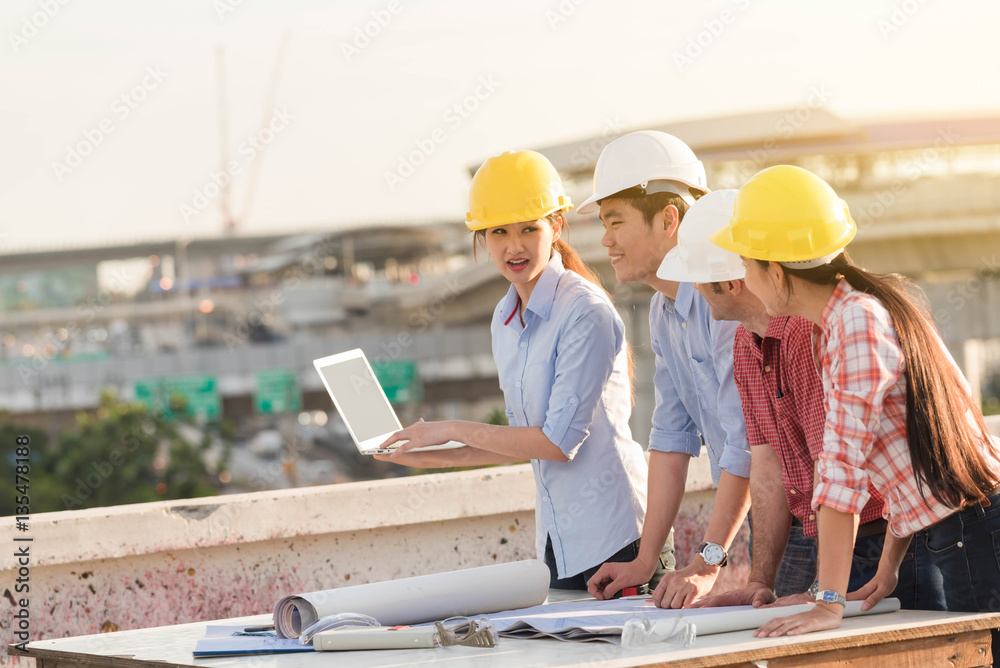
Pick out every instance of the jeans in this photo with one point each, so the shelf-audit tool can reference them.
(920, 585)
(965, 546)
(798, 567)
(627, 553)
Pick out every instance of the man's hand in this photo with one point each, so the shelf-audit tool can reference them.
(877, 588)
(823, 616)
(792, 599)
(753, 593)
(682, 588)
(612, 577)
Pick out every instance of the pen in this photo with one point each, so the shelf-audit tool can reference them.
(256, 629)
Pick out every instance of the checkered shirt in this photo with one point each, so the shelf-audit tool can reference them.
(864, 444)
(782, 397)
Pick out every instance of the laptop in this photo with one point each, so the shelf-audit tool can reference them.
(362, 403)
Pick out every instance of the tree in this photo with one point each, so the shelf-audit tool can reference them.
(122, 453)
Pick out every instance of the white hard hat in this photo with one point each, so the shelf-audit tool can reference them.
(658, 161)
(695, 259)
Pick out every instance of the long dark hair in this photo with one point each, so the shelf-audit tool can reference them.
(572, 261)
(941, 439)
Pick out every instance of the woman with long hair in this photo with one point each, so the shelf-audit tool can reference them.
(900, 414)
(563, 363)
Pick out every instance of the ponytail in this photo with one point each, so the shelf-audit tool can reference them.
(941, 437)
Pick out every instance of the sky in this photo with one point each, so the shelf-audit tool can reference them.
(347, 114)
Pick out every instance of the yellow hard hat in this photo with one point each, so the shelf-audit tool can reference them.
(514, 187)
(787, 214)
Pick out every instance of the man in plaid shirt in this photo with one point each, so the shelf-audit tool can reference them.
(784, 406)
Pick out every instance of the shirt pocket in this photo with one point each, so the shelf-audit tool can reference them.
(707, 385)
(536, 389)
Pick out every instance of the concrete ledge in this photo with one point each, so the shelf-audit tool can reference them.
(168, 526)
(156, 564)
(147, 528)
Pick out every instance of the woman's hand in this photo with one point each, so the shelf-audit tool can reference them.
(418, 435)
(823, 616)
(876, 589)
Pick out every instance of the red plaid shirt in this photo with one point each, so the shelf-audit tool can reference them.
(782, 397)
(864, 445)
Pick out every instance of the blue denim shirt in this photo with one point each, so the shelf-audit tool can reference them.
(695, 389)
(566, 371)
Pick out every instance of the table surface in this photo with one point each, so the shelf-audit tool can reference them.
(173, 646)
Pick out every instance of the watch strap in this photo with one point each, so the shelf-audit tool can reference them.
(830, 596)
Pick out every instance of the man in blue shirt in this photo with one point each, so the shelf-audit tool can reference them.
(644, 183)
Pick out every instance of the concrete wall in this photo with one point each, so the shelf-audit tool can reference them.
(155, 564)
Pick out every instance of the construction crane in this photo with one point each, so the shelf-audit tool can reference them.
(230, 220)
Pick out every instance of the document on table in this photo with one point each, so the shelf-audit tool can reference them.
(220, 641)
(580, 621)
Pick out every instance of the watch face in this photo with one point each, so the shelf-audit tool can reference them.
(713, 554)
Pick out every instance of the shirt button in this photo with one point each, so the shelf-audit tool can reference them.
(684, 325)
(959, 543)
(572, 400)
(524, 344)
(766, 368)
(793, 492)
(518, 383)
(545, 499)
(812, 517)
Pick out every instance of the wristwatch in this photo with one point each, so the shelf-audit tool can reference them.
(713, 554)
(814, 588)
(830, 596)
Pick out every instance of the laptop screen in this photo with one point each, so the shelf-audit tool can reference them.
(362, 404)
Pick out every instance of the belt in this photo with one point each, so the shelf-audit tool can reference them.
(875, 527)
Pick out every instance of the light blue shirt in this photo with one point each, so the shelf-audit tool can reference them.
(566, 371)
(696, 393)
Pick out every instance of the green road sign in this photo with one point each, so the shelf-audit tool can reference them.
(198, 394)
(399, 380)
(277, 391)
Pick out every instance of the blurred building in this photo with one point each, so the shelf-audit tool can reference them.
(238, 309)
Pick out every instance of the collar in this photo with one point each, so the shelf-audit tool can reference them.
(776, 327)
(833, 304)
(685, 299)
(542, 296)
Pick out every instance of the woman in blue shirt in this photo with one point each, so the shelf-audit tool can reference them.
(563, 364)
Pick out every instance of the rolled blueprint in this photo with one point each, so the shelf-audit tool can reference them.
(425, 598)
(724, 622)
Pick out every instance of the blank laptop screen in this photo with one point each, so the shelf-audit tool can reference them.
(362, 405)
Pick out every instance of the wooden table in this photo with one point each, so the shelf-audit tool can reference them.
(904, 638)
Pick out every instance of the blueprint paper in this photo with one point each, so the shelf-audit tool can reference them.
(580, 621)
(425, 598)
